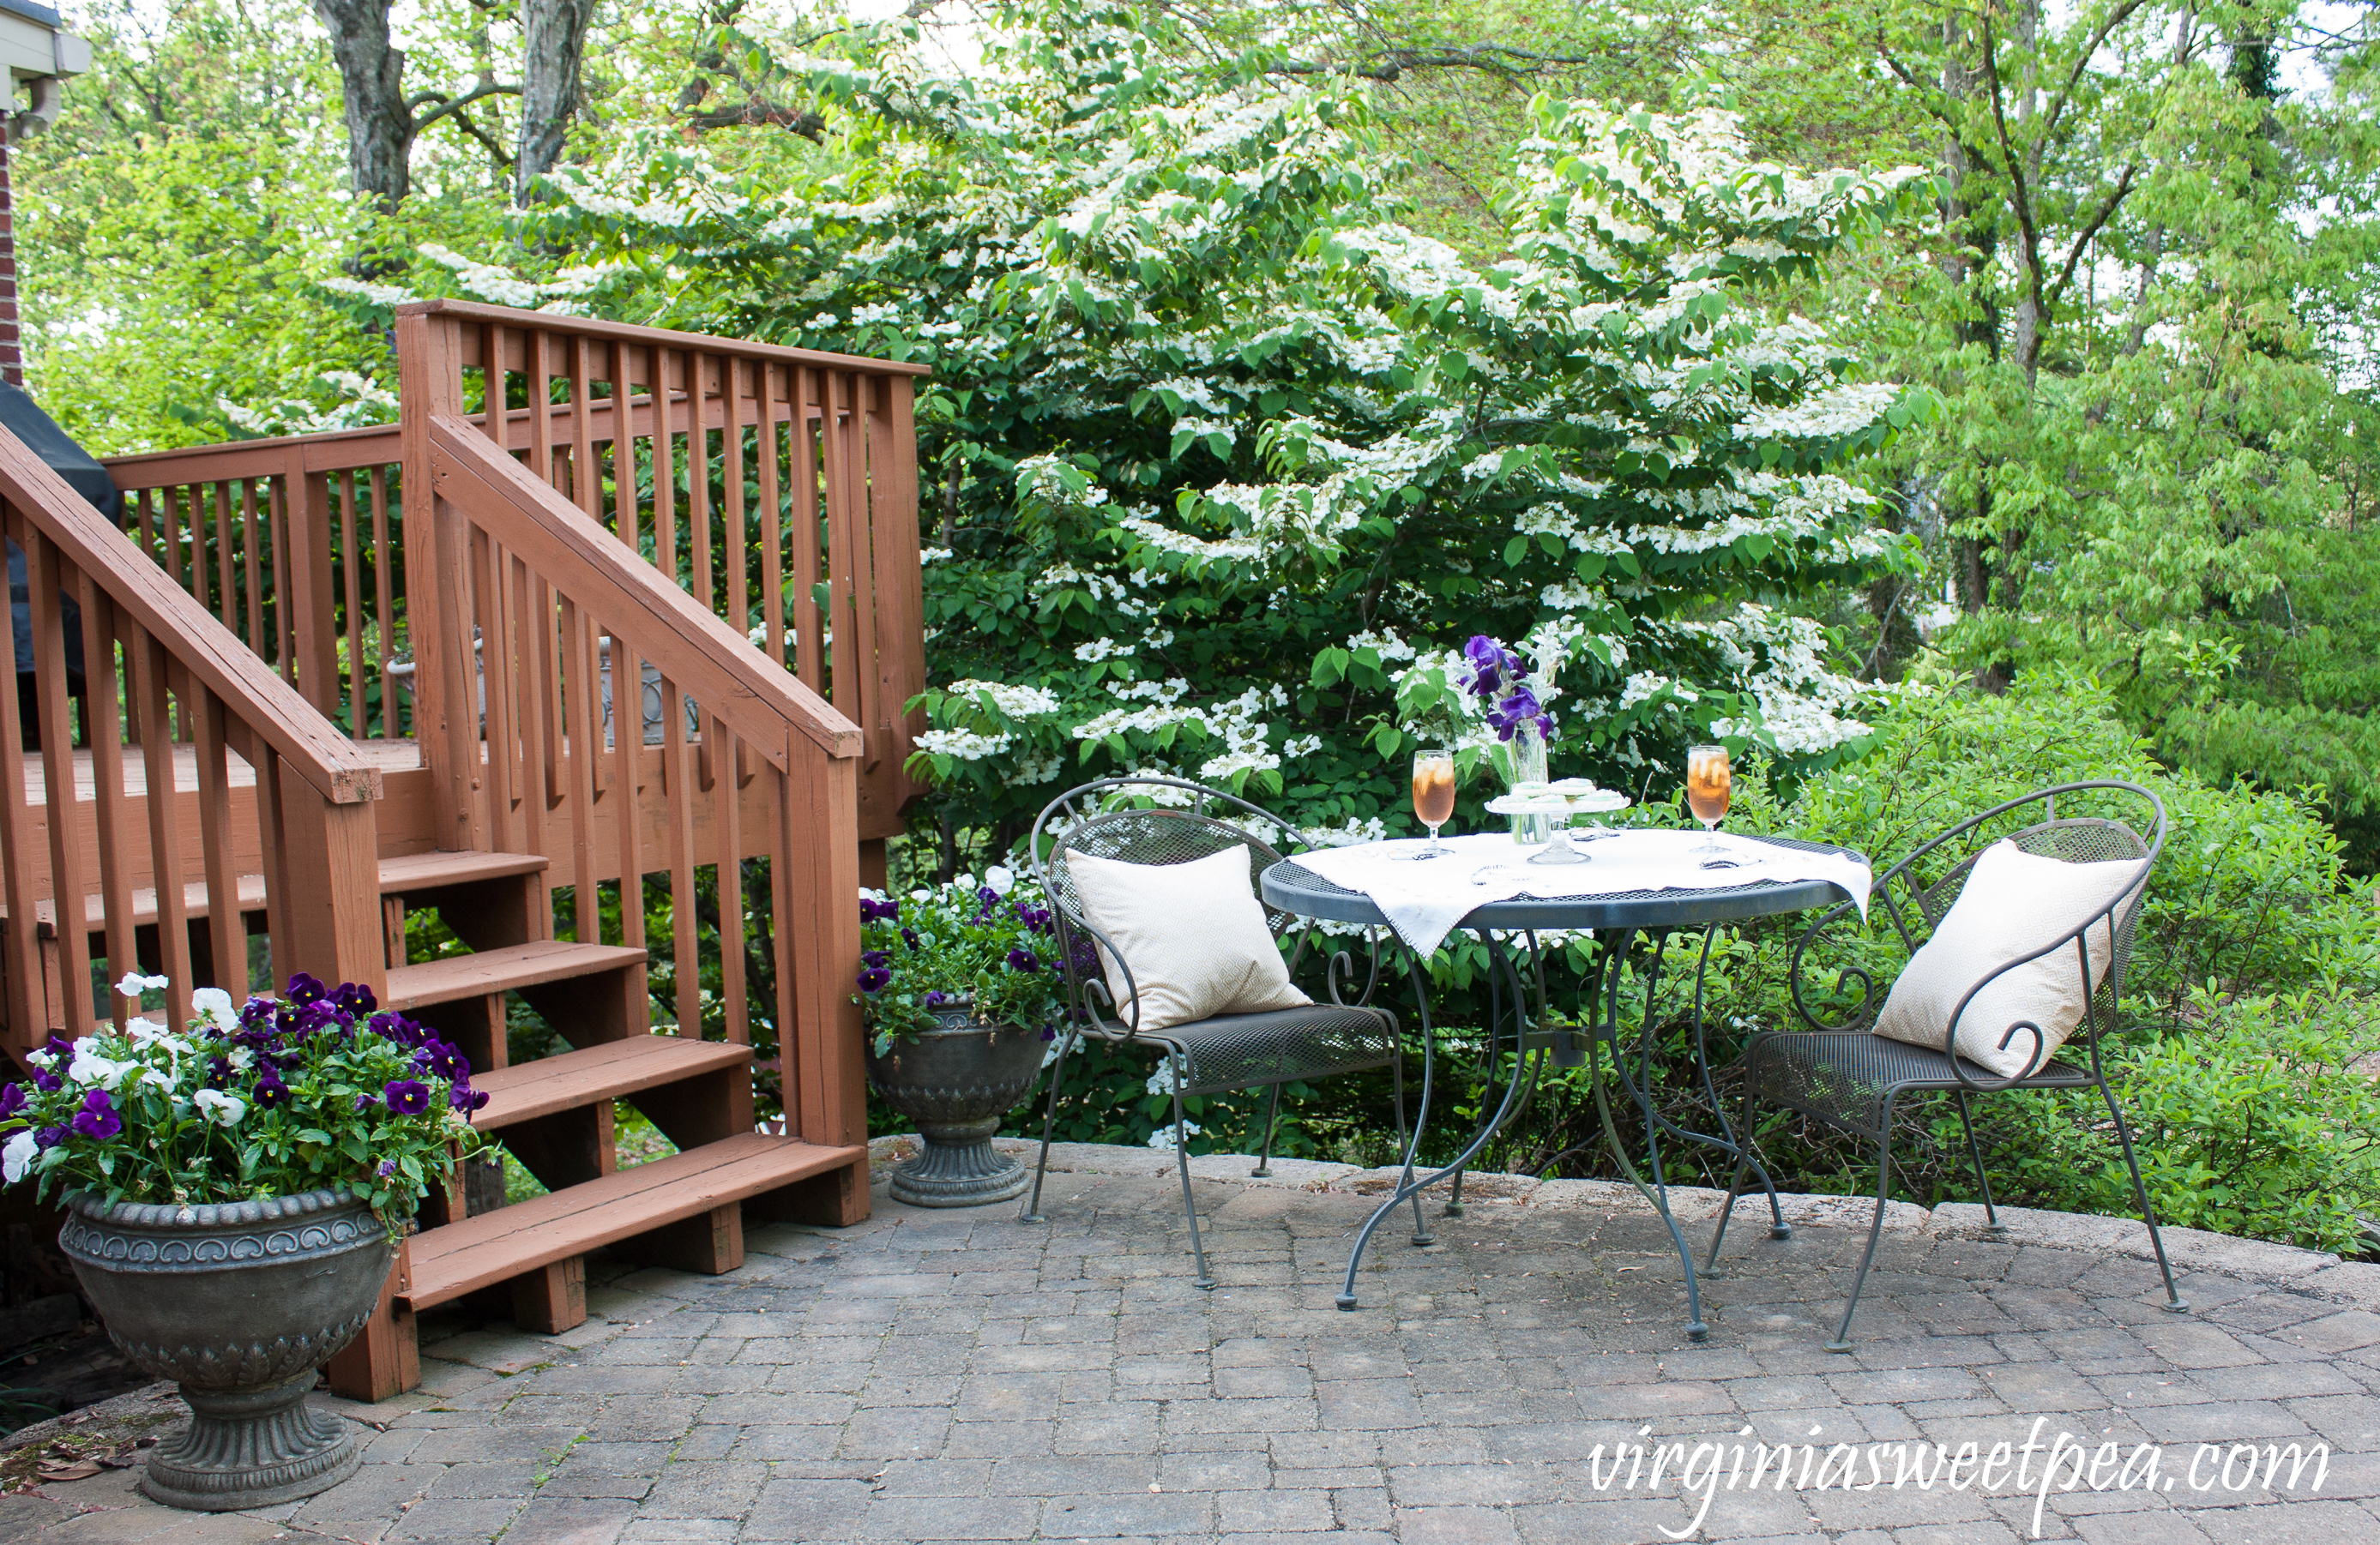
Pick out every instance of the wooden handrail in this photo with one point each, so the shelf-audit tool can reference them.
(733, 681)
(625, 332)
(270, 706)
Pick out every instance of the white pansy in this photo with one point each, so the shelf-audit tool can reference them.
(1000, 878)
(134, 984)
(242, 1058)
(18, 1156)
(95, 1069)
(223, 1110)
(214, 1005)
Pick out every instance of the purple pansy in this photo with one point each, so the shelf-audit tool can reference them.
(875, 956)
(50, 1137)
(873, 979)
(407, 1096)
(1023, 959)
(269, 1090)
(98, 1118)
(13, 1099)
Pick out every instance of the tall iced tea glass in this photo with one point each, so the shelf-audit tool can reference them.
(1433, 797)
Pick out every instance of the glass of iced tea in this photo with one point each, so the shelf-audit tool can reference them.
(1708, 784)
(1433, 797)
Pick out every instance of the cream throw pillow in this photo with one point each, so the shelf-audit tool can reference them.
(1194, 933)
(2014, 903)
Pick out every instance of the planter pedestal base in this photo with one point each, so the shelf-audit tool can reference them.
(252, 1448)
(959, 1168)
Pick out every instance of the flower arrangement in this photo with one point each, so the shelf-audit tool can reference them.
(991, 945)
(315, 1089)
(1507, 687)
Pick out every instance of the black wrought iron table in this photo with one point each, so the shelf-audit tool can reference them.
(1615, 919)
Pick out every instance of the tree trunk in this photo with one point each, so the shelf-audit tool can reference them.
(371, 72)
(554, 44)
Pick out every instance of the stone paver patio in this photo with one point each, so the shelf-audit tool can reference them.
(956, 1376)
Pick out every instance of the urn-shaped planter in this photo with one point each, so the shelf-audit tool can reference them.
(955, 1082)
(239, 1302)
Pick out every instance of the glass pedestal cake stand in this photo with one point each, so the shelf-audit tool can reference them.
(1554, 799)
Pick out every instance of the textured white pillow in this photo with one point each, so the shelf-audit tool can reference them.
(1194, 933)
(2014, 903)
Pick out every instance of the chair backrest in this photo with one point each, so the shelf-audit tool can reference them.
(1145, 820)
(1917, 892)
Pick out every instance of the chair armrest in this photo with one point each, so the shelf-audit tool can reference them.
(1861, 1013)
(1096, 981)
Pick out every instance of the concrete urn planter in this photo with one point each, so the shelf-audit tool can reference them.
(239, 1302)
(955, 1083)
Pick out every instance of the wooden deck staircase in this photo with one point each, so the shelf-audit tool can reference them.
(726, 530)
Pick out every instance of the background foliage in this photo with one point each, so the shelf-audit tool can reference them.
(1278, 349)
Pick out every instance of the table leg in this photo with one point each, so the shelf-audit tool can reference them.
(1615, 957)
(1522, 1078)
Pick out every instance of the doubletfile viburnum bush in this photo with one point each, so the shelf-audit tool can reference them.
(1224, 461)
(314, 1090)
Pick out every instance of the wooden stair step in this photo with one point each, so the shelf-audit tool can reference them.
(496, 1247)
(614, 1070)
(412, 872)
(502, 971)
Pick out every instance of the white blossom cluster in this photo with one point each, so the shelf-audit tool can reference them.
(1017, 702)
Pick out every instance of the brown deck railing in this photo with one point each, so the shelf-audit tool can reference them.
(804, 538)
(128, 825)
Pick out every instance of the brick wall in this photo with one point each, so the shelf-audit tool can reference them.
(12, 358)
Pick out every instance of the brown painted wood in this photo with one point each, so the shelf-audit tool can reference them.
(496, 1247)
(116, 829)
(418, 871)
(384, 1360)
(312, 599)
(445, 711)
(505, 970)
(167, 850)
(710, 1243)
(73, 1005)
(613, 1071)
(28, 1000)
(553, 1298)
(649, 337)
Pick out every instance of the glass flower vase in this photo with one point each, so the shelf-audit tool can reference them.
(1522, 760)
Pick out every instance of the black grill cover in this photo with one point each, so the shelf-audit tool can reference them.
(23, 417)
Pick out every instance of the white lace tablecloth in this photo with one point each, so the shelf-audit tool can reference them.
(1424, 901)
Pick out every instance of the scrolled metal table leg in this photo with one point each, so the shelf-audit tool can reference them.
(1615, 958)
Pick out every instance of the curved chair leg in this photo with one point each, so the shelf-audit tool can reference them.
(1032, 1212)
(1992, 1225)
(2174, 1303)
(1206, 1279)
(1843, 1341)
(1264, 1154)
(1778, 1227)
(1421, 1234)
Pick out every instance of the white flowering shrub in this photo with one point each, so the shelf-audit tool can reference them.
(1222, 460)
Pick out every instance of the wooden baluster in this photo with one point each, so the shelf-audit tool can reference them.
(29, 1014)
(529, 668)
(148, 507)
(495, 389)
(537, 367)
(227, 584)
(70, 891)
(784, 920)
(678, 791)
(313, 603)
(384, 578)
(664, 468)
(810, 649)
(772, 534)
(697, 478)
(846, 552)
(161, 783)
(103, 732)
(734, 515)
(172, 563)
(226, 930)
(284, 640)
(249, 552)
(495, 678)
(627, 751)
(197, 495)
(351, 552)
(728, 830)
(289, 884)
(586, 476)
(583, 704)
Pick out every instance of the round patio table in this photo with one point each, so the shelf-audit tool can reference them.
(1615, 919)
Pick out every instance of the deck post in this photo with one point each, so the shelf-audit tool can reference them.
(323, 906)
(446, 718)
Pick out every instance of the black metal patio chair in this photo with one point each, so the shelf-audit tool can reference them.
(1163, 821)
(1840, 1073)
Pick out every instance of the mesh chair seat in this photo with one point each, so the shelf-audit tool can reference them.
(1842, 1077)
(1251, 1051)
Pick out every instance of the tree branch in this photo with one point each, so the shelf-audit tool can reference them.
(456, 105)
(2106, 210)
(2116, 18)
(2015, 168)
(1391, 63)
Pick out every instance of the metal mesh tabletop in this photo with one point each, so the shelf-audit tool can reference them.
(1294, 889)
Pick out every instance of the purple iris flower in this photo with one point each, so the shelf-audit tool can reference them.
(873, 979)
(97, 1118)
(1491, 662)
(407, 1096)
